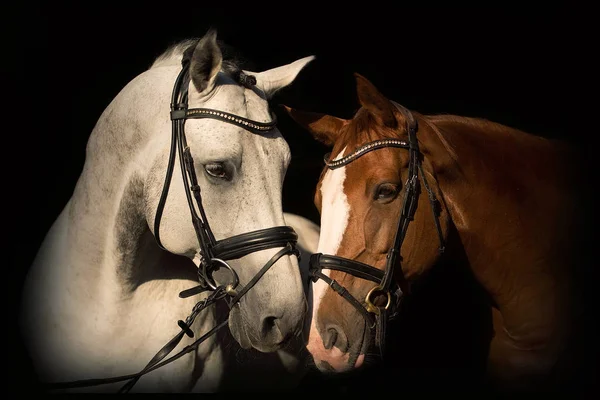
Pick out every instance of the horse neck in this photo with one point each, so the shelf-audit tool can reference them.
(501, 188)
(108, 224)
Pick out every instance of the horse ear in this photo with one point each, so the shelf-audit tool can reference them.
(324, 128)
(376, 103)
(270, 81)
(206, 62)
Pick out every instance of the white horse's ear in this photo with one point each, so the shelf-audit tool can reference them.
(206, 62)
(270, 81)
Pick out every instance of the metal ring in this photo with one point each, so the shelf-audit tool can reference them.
(372, 307)
(211, 283)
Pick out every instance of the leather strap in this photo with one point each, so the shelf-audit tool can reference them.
(352, 267)
(342, 291)
(289, 249)
(238, 246)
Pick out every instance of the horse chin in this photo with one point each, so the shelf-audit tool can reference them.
(238, 330)
(341, 364)
(356, 360)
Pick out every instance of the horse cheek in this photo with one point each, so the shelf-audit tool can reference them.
(379, 231)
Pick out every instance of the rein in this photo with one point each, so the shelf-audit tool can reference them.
(376, 316)
(214, 253)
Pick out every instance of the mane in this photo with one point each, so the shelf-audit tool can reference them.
(233, 61)
(173, 54)
(488, 131)
(492, 147)
(481, 124)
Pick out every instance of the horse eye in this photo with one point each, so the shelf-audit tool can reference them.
(217, 170)
(386, 191)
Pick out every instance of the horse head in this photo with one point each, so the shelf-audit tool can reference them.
(370, 179)
(240, 175)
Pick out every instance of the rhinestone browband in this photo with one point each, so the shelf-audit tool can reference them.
(227, 117)
(377, 144)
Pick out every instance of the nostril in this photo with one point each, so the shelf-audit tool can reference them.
(334, 336)
(330, 338)
(271, 330)
(269, 323)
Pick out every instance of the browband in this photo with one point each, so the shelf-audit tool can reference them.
(412, 125)
(198, 113)
(364, 149)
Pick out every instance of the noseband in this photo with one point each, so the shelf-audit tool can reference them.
(376, 317)
(214, 254)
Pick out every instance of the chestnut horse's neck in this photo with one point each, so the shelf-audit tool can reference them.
(490, 173)
(509, 195)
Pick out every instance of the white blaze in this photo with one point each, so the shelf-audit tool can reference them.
(334, 219)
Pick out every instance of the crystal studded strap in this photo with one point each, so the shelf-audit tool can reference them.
(253, 126)
(364, 149)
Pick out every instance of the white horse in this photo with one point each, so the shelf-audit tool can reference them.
(102, 297)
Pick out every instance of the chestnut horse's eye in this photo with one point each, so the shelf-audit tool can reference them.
(387, 191)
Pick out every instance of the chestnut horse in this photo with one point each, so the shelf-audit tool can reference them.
(402, 191)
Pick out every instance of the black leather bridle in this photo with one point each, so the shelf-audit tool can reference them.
(376, 317)
(214, 253)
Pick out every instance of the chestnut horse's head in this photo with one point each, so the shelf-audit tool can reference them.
(370, 204)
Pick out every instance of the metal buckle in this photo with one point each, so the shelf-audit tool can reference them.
(230, 287)
(372, 308)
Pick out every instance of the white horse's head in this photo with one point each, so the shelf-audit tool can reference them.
(240, 174)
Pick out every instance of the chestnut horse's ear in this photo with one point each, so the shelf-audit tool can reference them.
(376, 103)
(324, 128)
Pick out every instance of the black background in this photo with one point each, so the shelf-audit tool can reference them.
(528, 68)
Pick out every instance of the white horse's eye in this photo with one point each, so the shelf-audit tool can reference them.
(218, 170)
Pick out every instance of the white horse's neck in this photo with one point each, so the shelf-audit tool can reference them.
(96, 270)
(107, 206)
